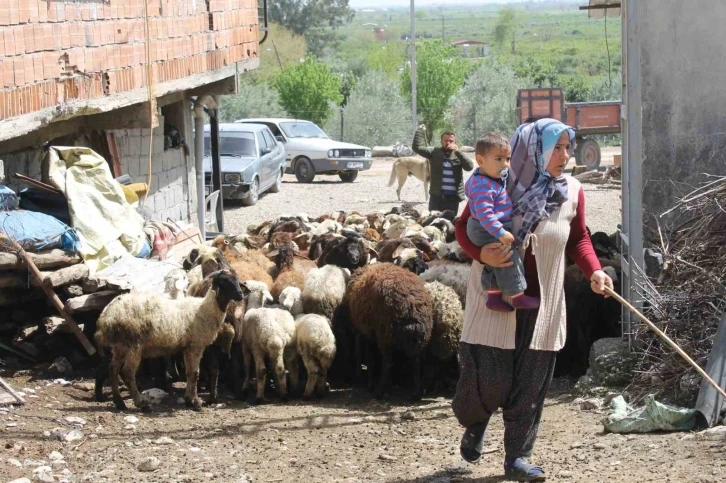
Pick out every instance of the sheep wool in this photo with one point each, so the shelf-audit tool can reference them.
(324, 290)
(316, 345)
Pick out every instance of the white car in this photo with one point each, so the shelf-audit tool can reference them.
(310, 151)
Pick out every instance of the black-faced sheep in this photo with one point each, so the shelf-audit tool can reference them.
(316, 345)
(391, 307)
(350, 251)
(412, 259)
(137, 326)
(589, 317)
(268, 334)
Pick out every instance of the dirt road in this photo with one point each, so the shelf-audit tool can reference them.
(346, 438)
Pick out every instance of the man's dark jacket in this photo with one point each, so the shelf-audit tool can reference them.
(459, 163)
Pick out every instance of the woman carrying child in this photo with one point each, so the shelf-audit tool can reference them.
(507, 357)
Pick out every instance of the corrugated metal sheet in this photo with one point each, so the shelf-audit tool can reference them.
(710, 403)
(601, 12)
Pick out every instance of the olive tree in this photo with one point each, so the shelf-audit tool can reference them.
(306, 90)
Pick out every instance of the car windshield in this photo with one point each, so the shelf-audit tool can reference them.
(302, 130)
(242, 144)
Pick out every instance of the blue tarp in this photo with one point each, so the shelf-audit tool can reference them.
(8, 199)
(38, 231)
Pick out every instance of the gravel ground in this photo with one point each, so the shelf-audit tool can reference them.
(370, 192)
(345, 438)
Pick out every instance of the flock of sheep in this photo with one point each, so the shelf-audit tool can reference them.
(384, 291)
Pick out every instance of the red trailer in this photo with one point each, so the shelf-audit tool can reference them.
(587, 118)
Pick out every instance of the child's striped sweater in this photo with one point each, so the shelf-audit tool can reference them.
(489, 202)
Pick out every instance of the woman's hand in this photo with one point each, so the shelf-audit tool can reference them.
(599, 280)
(496, 255)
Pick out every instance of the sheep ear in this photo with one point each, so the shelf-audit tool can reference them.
(425, 257)
(245, 289)
(373, 253)
(273, 253)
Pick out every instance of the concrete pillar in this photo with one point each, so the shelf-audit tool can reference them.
(199, 163)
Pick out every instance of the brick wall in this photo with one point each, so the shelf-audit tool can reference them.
(57, 51)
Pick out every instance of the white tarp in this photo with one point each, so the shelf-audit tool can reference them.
(107, 225)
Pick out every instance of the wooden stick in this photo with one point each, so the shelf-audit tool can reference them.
(662, 335)
(54, 298)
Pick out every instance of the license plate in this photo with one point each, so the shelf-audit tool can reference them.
(355, 165)
(207, 190)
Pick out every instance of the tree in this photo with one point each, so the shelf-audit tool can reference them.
(253, 100)
(315, 19)
(376, 113)
(506, 27)
(281, 48)
(440, 74)
(540, 73)
(307, 89)
(575, 87)
(387, 58)
(487, 102)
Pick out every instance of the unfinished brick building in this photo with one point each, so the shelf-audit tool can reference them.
(80, 72)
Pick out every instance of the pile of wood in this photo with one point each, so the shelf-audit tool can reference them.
(612, 175)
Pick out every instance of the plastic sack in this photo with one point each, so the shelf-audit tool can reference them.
(37, 231)
(654, 416)
(8, 199)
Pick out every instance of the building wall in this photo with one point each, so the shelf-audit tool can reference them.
(683, 67)
(53, 52)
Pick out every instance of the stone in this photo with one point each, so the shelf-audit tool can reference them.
(131, 419)
(164, 440)
(67, 434)
(408, 416)
(21, 480)
(14, 462)
(599, 446)
(62, 382)
(61, 367)
(151, 463)
(84, 386)
(611, 362)
(43, 474)
(75, 420)
(653, 262)
(385, 457)
(154, 395)
(717, 433)
(55, 456)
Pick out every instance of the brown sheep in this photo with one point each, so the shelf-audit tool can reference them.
(250, 265)
(391, 306)
(287, 275)
(372, 235)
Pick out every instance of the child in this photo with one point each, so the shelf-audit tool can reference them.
(491, 211)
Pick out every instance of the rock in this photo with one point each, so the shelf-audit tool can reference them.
(164, 440)
(62, 382)
(43, 474)
(61, 367)
(385, 457)
(130, 427)
(611, 362)
(180, 400)
(151, 463)
(51, 324)
(653, 262)
(154, 395)
(408, 416)
(591, 404)
(58, 465)
(29, 462)
(580, 457)
(576, 445)
(67, 434)
(599, 446)
(14, 462)
(11, 425)
(84, 386)
(55, 456)
(74, 420)
(73, 290)
(717, 433)
(131, 419)
(565, 474)
(21, 480)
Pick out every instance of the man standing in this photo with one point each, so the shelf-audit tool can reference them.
(446, 189)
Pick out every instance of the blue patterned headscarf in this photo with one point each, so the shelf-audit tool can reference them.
(534, 192)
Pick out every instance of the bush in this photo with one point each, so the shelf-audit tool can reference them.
(487, 102)
(253, 100)
(376, 113)
(307, 89)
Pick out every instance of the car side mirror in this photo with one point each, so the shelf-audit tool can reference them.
(280, 139)
(266, 151)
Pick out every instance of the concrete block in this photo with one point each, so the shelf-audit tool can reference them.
(158, 164)
(167, 156)
(144, 145)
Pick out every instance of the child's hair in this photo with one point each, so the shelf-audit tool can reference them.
(490, 140)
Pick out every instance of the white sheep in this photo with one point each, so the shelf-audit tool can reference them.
(267, 333)
(176, 283)
(324, 290)
(291, 300)
(454, 275)
(316, 345)
(144, 325)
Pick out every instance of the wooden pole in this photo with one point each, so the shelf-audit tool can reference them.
(53, 298)
(662, 335)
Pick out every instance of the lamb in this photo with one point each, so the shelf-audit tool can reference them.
(412, 259)
(349, 251)
(448, 321)
(290, 299)
(268, 333)
(250, 265)
(176, 283)
(454, 275)
(316, 345)
(137, 326)
(287, 275)
(392, 307)
(324, 290)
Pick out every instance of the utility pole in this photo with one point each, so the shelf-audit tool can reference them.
(443, 30)
(413, 66)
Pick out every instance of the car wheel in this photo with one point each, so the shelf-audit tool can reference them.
(254, 195)
(348, 176)
(304, 171)
(587, 153)
(275, 188)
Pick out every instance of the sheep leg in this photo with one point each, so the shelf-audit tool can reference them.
(292, 363)
(114, 369)
(192, 357)
(417, 392)
(102, 373)
(128, 373)
(247, 360)
(358, 357)
(213, 375)
(386, 365)
(280, 377)
(311, 366)
(260, 374)
(322, 385)
(236, 364)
